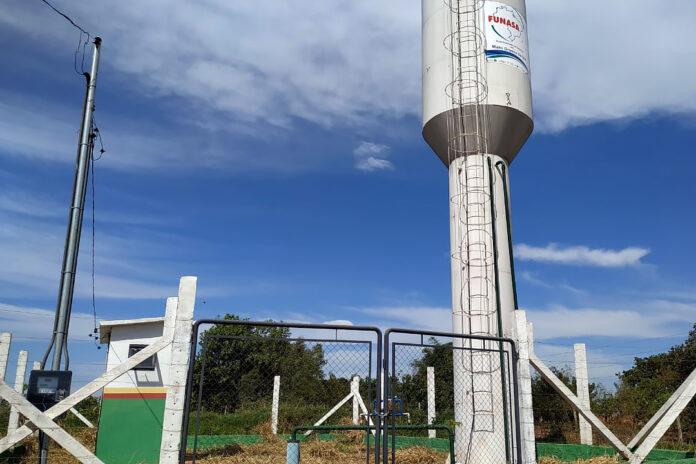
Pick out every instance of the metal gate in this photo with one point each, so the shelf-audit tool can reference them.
(254, 386)
(464, 384)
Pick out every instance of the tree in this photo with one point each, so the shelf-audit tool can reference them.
(236, 364)
(645, 387)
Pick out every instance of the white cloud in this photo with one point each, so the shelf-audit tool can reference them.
(423, 317)
(218, 67)
(371, 156)
(629, 72)
(370, 164)
(128, 259)
(647, 319)
(581, 255)
(602, 366)
(339, 322)
(272, 63)
(532, 278)
(648, 322)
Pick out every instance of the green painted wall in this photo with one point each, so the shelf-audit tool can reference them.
(130, 431)
(571, 453)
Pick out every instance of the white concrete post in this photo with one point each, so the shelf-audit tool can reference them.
(583, 391)
(178, 372)
(5, 342)
(276, 404)
(355, 391)
(13, 423)
(561, 388)
(525, 387)
(431, 400)
(678, 405)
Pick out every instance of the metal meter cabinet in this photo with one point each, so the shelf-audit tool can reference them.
(48, 388)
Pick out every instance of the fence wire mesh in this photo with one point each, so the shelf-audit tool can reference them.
(251, 385)
(467, 384)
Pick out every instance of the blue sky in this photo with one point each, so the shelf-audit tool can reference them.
(275, 152)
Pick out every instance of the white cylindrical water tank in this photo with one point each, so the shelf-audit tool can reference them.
(501, 35)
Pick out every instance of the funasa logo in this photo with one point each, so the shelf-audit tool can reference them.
(507, 23)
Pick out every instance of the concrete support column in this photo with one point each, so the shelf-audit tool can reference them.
(525, 389)
(583, 391)
(275, 405)
(482, 304)
(355, 391)
(13, 423)
(431, 400)
(178, 372)
(5, 342)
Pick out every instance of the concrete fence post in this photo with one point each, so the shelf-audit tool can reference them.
(583, 391)
(431, 400)
(524, 338)
(355, 391)
(178, 372)
(13, 423)
(276, 404)
(5, 342)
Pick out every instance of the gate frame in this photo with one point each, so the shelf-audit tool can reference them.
(290, 325)
(514, 390)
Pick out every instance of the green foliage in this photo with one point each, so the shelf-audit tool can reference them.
(241, 361)
(640, 392)
(645, 387)
(552, 415)
(247, 420)
(89, 407)
(4, 417)
(411, 388)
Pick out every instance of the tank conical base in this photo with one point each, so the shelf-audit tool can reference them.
(508, 130)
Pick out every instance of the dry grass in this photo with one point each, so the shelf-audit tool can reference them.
(347, 448)
(598, 460)
(342, 451)
(57, 454)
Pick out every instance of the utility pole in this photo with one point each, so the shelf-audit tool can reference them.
(61, 323)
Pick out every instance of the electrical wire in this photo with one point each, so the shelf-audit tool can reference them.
(81, 45)
(67, 18)
(37, 313)
(94, 297)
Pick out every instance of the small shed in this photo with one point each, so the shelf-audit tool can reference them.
(132, 412)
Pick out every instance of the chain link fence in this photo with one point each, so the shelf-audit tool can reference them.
(466, 383)
(252, 384)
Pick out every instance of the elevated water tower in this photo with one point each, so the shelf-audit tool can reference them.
(477, 115)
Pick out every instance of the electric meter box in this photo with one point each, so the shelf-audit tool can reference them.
(48, 388)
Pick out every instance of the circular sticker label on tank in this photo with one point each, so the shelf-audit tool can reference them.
(506, 36)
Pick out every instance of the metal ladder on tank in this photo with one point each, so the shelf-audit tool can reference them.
(467, 130)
